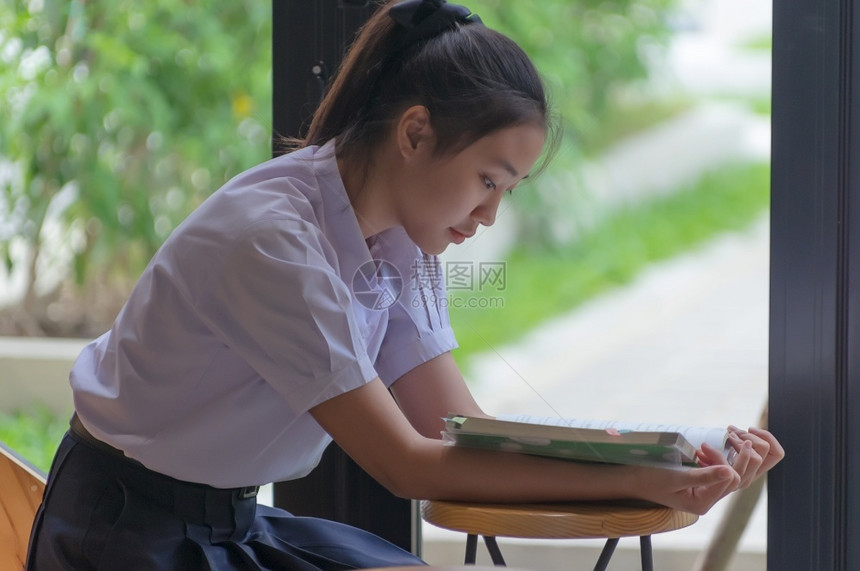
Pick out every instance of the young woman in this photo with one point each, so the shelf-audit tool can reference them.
(293, 307)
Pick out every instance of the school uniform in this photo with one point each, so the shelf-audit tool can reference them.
(265, 302)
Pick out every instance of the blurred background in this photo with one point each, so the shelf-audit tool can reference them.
(118, 118)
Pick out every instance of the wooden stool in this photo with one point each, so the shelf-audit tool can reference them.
(21, 488)
(610, 520)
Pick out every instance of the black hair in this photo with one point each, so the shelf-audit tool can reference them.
(473, 80)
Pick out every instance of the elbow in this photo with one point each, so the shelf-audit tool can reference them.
(406, 485)
(413, 475)
(403, 490)
(415, 490)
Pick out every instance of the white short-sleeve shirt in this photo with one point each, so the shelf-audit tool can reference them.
(265, 302)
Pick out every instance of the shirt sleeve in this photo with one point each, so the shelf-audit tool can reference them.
(418, 325)
(279, 303)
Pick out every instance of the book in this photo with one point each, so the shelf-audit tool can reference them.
(586, 440)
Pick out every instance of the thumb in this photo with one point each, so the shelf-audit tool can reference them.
(720, 474)
(706, 486)
(710, 455)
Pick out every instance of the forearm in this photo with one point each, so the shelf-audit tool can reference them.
(445, 472)
(368, 425)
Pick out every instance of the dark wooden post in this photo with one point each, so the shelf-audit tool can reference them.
(813, 496)
(309, 38)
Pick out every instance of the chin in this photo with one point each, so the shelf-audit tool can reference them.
(435, 250)
(428, 245)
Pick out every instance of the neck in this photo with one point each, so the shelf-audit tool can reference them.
(368, 194)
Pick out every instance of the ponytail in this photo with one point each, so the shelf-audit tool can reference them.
(350, 91)
(473, 80)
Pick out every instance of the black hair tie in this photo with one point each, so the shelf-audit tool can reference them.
(425, 19)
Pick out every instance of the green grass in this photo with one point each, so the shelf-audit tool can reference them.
(762, 106)
(627, 120)
(34, 434)
(762, 43)
(543, 285)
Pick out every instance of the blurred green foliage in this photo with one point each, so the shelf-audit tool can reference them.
(120, 117)
(33, 433)
(595, 57)
(592, 53)
(762, 44)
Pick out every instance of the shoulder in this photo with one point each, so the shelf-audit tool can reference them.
(283, 190)
(299, 167)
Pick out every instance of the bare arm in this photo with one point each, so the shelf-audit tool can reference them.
(431, 391)
(436, 388)
(371, 428)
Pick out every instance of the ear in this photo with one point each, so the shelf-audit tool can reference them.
(414, 133)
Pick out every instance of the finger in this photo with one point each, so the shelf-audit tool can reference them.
(702, 460)
(710, 456)
(719, 478)
(775, 453)
(759, 444)
(741, 458)
(747, 464)
(765, 444)
(709, 485)
(696, 490)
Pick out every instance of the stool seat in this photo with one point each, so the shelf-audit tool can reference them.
(556, 520)
(610, 520)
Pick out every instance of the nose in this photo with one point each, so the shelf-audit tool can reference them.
(485, 213)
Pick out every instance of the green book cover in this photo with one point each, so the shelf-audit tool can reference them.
(578, 444)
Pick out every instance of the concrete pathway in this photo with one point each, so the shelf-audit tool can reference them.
(685, 343)
(693, 329)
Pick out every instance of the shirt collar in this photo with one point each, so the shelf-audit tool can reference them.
(340, 224)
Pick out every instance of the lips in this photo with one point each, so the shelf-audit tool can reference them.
(458, 236)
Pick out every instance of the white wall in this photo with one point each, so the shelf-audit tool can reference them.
(36, 370)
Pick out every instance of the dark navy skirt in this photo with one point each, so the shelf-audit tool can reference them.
(104, 512)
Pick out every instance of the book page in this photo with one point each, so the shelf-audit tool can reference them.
(696, 435)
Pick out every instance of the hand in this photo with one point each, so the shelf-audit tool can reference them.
(757, 452)
(764, 443)
(693, 490)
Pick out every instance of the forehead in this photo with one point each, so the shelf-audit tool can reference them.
(512, 149)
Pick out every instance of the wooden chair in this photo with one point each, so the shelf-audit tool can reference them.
(610, 520)
(21, 489)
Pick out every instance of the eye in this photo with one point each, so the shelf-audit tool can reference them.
(488, 183)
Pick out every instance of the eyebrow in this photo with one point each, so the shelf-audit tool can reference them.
(509, 167)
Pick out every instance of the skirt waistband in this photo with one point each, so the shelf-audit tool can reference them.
(77, 428)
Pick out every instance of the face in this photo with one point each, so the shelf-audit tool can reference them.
(448, 197)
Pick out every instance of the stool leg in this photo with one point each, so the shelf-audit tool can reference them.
(471, 548)
(645, 553)
(495, 552)
(606, 554)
